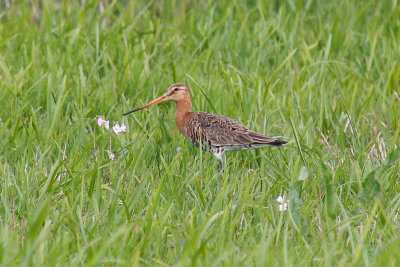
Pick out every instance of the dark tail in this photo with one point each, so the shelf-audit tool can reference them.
(278, 142)
(261, 139)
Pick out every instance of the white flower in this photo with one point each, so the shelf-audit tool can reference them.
(283, 207)
(119, 129)
(101, 121)
(283, 204)
(110, 154)
(123, 127)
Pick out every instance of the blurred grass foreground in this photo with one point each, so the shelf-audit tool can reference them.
(76, 192)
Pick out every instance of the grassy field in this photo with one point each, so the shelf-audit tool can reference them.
(323, 75)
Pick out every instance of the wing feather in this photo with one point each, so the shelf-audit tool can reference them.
(221, 131)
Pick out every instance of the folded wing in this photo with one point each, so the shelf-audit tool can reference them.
(219, 131)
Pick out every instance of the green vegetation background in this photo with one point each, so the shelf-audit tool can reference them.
(323, 74)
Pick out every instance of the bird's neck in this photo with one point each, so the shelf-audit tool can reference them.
(183, 107)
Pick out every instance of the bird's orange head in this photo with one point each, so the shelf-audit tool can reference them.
(176, 92)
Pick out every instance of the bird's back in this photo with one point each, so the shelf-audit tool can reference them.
(217, 131)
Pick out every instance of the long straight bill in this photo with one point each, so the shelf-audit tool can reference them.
(161, 99)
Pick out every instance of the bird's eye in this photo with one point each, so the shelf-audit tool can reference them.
(176, 89)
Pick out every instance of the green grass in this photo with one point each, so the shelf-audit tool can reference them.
(325, 75)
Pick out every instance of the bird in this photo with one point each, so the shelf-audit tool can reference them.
(213, 133)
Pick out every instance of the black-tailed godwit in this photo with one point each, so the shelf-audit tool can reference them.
(215, 133)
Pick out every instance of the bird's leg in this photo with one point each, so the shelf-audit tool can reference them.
(219, 155)
(220, 165)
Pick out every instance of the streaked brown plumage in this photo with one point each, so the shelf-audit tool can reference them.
(215, 133)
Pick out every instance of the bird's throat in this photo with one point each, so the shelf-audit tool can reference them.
(183, 107)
